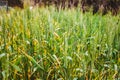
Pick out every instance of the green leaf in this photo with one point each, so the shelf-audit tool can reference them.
(33, 60)
(2, 55)
(15, 67)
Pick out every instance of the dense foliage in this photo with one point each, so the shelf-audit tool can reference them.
(101, 6)
(48, 44)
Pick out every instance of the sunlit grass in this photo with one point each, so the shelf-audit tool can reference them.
(47, 44)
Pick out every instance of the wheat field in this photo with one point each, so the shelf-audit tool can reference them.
(50, 44)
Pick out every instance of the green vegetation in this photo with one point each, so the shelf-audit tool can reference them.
(46, 44)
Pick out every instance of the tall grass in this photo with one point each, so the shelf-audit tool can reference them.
(48, 44)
